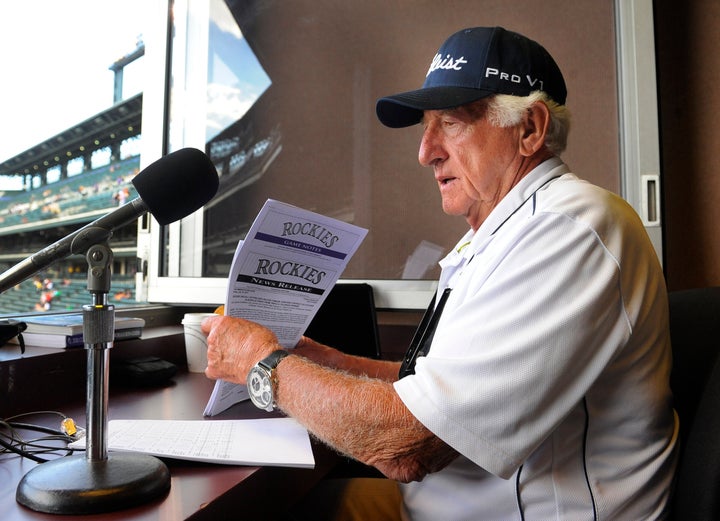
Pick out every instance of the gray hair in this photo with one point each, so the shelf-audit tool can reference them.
(504, 110)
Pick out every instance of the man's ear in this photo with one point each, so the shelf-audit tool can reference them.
(534, 128)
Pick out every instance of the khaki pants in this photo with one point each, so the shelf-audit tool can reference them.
(355, 499)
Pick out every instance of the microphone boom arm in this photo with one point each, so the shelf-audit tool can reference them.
(77, 243)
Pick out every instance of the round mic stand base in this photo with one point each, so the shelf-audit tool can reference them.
(95, 482)
(77, 485)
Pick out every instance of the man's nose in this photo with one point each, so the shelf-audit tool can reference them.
(431, 149)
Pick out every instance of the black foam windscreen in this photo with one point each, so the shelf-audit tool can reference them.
(177, 184)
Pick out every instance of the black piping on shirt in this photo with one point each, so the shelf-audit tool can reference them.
(585, 470)
(586, 429)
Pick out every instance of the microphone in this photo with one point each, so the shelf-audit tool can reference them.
(171, 188)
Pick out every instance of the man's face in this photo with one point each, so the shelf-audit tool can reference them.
(475, 163)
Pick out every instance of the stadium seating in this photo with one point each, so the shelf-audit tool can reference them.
(68, 296)
(91, 191)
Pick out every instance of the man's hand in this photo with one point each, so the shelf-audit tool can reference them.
(235, 345)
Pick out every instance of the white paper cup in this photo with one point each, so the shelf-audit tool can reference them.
(195, 341)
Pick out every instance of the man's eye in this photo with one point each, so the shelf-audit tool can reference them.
(452, 125)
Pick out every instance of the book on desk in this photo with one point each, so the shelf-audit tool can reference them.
(66, 330)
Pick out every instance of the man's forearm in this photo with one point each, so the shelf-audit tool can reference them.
(361, 417)
(356, 365)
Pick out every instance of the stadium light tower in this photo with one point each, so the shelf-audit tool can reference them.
(119, 66)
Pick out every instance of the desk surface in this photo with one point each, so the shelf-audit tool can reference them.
(198, 491)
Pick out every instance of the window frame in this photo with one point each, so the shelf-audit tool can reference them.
(634, 45)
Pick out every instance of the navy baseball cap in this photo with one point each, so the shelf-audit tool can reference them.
(473, 64)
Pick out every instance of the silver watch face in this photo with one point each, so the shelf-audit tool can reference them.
(260, 388)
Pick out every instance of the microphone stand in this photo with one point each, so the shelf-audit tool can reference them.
(95, 482)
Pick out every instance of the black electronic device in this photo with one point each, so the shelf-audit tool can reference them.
(146, 371)
(10, 329)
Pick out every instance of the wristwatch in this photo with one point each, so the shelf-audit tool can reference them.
(261, 380)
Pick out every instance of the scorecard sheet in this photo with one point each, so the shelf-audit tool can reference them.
(280, 442)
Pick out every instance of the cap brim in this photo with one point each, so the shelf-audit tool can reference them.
(406, 108)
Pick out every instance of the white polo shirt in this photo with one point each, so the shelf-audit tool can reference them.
(549, 368)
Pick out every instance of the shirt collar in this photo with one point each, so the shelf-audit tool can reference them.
(528, 185)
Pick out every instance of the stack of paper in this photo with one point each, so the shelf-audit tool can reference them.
(280, 276)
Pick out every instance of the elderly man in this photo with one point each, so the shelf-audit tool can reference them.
(537, 387)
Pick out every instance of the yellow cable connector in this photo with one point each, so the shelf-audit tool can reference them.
(68, 427)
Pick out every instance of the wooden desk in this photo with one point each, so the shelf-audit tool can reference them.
(198, 491)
